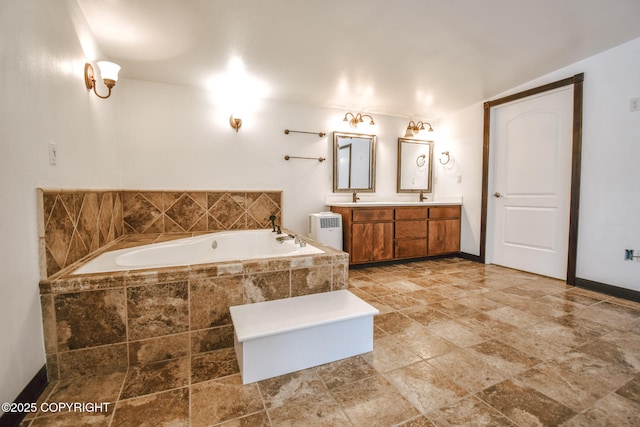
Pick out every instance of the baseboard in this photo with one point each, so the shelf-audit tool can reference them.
(612, 290)
(29, 394)
(471, 257)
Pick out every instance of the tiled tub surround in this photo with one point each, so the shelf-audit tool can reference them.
(106, 322)
(101, 323)
(73, 224)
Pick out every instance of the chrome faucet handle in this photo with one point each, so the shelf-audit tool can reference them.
(278, 229)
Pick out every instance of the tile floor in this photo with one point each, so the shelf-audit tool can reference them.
(456, 343)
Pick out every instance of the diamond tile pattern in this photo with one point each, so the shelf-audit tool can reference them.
(78, 223)
(75, 223)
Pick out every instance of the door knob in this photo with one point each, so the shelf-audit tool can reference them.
(497, 194)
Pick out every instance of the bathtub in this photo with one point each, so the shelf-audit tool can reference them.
(204, 249)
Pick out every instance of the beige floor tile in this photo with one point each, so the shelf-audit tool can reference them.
(611, 410)
(425, 387)
(575, 379)
(470, 411)
(373, 401)
(389, 354)
(344, 371)
(426, 344)
(223, 399)
(524, 405)
(166, 408)
(279, 390)
(467, 369)
(310, 410)
(456, 333)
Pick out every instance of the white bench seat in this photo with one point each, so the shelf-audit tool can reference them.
(281, 336)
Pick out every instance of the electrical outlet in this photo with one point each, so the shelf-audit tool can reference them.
(53, 153)
(634, 104)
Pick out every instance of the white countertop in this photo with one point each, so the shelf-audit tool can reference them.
(373, 203)
(366, 200)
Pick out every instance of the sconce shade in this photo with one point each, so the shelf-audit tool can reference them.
(109, 70)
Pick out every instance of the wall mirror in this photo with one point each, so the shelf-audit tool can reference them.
(354, 162)
(415, 160)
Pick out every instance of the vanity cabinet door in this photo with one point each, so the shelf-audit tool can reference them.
(371, 241)
(444, 230)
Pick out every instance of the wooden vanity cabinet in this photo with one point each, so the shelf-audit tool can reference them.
(368, 233)
(373, 234)
(444, 230)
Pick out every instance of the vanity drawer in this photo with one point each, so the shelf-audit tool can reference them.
(411, 229)
(373, 215)
(411, 248)
(412, 213)
(444, 212)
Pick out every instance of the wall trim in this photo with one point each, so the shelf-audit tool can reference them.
(616, 291)
(574, 209)
(29, 394)
(471, 257)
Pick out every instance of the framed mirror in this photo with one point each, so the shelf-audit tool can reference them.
(415, 160)
(354, 162)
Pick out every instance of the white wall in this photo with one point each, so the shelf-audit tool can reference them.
(461, 135)
(43, 99)
(610, 186)
(175, 138)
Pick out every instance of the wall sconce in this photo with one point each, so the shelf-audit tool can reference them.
(354, 120)
(235, 123)
(442, 156)
(414, 128)
(108, 71)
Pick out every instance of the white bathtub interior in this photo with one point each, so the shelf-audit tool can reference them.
(207, 248)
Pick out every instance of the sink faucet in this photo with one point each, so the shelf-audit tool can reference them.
(422, 196)
(355, 197)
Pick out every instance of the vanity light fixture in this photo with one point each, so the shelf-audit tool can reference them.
(108, 71)
(414, 128)
(354, 120)
(235, 123)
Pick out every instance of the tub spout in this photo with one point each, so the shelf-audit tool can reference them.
(281, 239)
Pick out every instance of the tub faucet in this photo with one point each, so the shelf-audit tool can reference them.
(300, 241)
(355, 197)
(422, 196)
(272, 218)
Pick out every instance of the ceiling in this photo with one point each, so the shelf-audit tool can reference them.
(422, 59)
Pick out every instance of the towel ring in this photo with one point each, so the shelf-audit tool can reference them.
(444, 153)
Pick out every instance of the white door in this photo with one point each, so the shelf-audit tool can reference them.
(532, 142)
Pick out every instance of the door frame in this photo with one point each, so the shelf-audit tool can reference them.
(576, 158)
